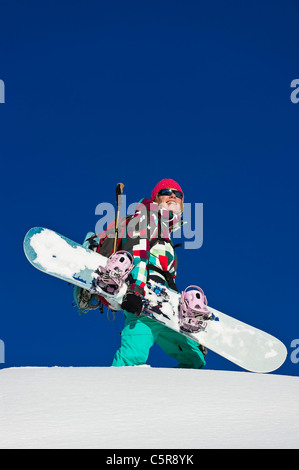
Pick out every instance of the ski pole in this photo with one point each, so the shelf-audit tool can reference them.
(119, 192)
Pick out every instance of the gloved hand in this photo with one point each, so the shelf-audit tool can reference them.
(132, 303)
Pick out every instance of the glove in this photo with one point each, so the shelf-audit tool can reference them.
(132, 303)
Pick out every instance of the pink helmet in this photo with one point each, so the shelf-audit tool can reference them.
(164, 184)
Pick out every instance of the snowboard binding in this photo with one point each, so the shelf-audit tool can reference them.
(193, 311)
(111, 278)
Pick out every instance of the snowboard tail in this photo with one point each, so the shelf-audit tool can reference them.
(248, 347)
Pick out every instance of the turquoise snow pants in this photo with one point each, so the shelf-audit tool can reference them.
(139, 335)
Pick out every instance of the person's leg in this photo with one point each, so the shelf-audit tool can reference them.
(186, 351)
(137, 337)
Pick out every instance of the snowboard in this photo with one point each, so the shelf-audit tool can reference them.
(250, 348)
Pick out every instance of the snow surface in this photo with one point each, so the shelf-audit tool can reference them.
(146, 408)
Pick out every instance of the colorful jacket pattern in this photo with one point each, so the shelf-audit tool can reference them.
(149, 240)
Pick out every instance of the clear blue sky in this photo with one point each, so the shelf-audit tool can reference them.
(101, 92)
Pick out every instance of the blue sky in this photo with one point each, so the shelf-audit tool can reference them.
(101, 92)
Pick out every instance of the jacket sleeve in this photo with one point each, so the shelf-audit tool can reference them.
(138, 243)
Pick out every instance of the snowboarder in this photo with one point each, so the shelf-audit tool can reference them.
(154, 258)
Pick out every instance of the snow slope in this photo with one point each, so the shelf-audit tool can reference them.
(146, 408)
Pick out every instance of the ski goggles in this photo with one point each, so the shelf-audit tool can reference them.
(168, 192)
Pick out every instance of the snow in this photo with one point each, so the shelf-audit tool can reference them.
(56, 255)
(146, 408)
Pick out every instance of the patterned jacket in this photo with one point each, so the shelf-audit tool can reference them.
(149, 240)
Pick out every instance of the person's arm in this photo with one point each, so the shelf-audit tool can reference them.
(138, 243)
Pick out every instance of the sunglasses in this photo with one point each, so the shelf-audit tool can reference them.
(168, 192)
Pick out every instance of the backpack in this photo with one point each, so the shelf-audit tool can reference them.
(102, 243)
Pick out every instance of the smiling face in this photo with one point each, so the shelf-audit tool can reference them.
(171, 203)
